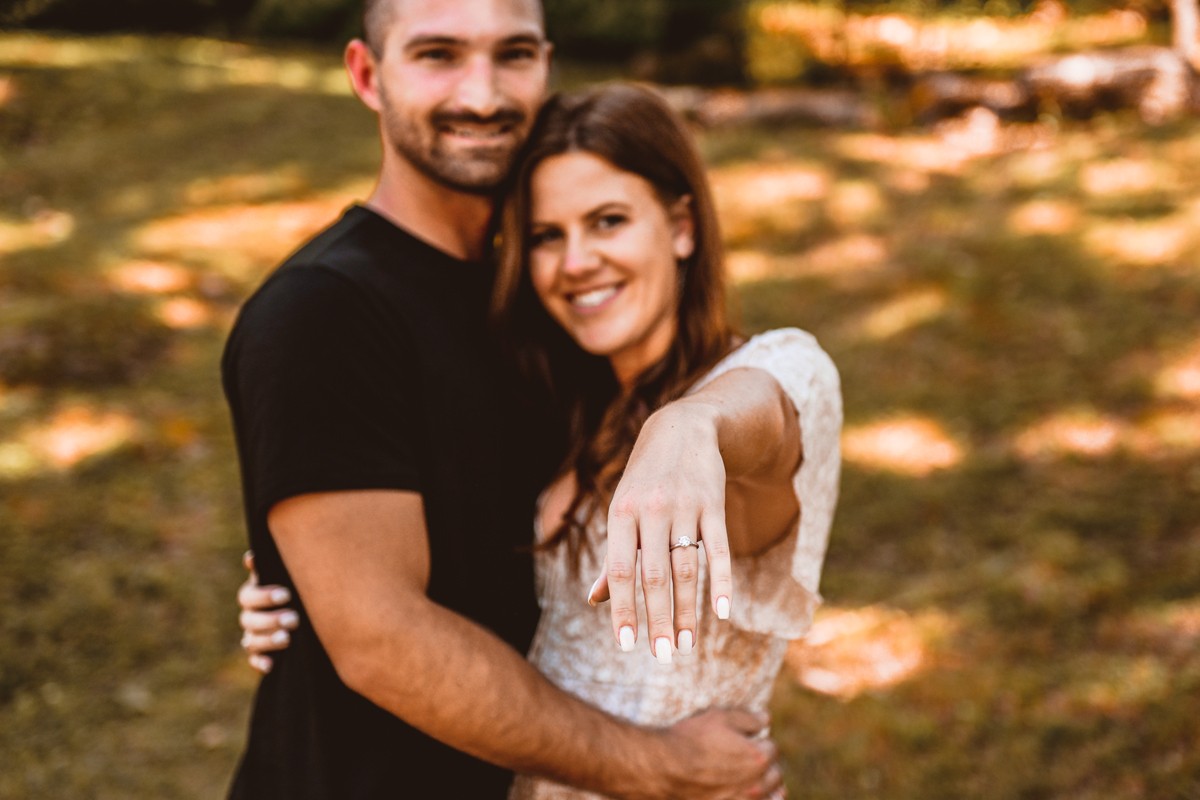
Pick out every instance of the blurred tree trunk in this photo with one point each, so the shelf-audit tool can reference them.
(1185, 18)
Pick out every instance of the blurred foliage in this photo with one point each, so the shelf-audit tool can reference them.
(1013, 580)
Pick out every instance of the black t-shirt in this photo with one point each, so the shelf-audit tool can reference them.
(365, 362)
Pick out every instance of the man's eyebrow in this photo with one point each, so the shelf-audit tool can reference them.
(434, 39)
(523, 38)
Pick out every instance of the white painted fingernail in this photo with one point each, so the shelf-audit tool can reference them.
(626, 636)
(685, 643)
(662, 650)
(279, 596)
(280, 637)
(722, 608)
(591, 592)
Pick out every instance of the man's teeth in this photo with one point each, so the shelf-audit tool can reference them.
(593, 298)
(475, 133)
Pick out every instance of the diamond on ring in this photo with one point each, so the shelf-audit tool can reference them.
(685, 541)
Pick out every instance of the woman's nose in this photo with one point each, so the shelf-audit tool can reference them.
(580, 257)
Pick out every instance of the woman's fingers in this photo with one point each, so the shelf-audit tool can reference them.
(656, 586)
(685, 564)
(248, 560)
(621, 566)
(715, 539)
(599, 591)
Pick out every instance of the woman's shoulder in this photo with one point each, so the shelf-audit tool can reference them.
(787, 350)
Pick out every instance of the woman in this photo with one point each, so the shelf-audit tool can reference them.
(610, 290)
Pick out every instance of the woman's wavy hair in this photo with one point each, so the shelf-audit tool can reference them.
(633, 129)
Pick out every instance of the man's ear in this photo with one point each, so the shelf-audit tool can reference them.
(683, 228)
(363, 70)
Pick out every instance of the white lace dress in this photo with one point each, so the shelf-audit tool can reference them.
(734, 663)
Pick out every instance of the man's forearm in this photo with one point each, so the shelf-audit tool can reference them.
(459, 683)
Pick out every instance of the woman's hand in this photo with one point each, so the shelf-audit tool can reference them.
(265, 626)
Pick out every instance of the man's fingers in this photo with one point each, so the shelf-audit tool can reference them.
(261, 663)
(685, 564)
(253, 597)
(771, 784)
(715, 538)
(747, 723)
(254, 644)
(621, 568)
(267, 622)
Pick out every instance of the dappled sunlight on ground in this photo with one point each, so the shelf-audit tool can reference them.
(68, 437)
(849, 652)
(1086, 434)
(240, 241)
(900, 314)
(150, 277)
(47, 228)
(854, 204)
(847, 261)
(1081, 433)
(933, 43)
(1140, 243)
(779, 196)
(184, 313)
(252, 187)
(204, 64)
(1180, 378)
(1044, 217)
(1123, 176)
(915, 446)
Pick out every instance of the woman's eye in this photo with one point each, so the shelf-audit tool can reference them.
(610, 221)
(540, 238)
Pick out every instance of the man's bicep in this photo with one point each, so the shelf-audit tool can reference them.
(352, 555)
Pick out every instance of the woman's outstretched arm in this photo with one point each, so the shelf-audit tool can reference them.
(740, 434)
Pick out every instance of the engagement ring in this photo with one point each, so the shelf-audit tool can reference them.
(684, 541)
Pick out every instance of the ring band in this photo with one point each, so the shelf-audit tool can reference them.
(684, 541)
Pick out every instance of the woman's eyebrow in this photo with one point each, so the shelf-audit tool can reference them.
(611, 205)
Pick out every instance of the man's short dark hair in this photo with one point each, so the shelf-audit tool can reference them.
(377, 18)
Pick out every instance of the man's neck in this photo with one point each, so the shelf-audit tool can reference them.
(454, 222)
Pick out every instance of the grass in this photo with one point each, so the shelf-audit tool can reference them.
(1013, 579)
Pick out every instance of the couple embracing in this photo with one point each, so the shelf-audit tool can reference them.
(507, 381)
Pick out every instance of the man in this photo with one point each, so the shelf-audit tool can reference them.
(389, 468)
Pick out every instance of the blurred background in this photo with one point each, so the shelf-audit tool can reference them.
(989, 214)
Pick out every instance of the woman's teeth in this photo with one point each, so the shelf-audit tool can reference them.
(593, 298)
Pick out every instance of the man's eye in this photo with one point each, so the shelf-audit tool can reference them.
(437, 55)
(516, 54)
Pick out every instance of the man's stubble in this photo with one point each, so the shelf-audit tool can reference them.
(415, 139)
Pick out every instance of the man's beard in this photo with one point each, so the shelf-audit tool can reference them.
(481, 172)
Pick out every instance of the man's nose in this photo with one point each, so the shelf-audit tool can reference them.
(476, 91)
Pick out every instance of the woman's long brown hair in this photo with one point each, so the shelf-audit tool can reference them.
(634, 130)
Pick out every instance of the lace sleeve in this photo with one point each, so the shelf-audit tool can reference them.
(776, 591)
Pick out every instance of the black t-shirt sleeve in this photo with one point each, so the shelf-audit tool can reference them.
(319, 404)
